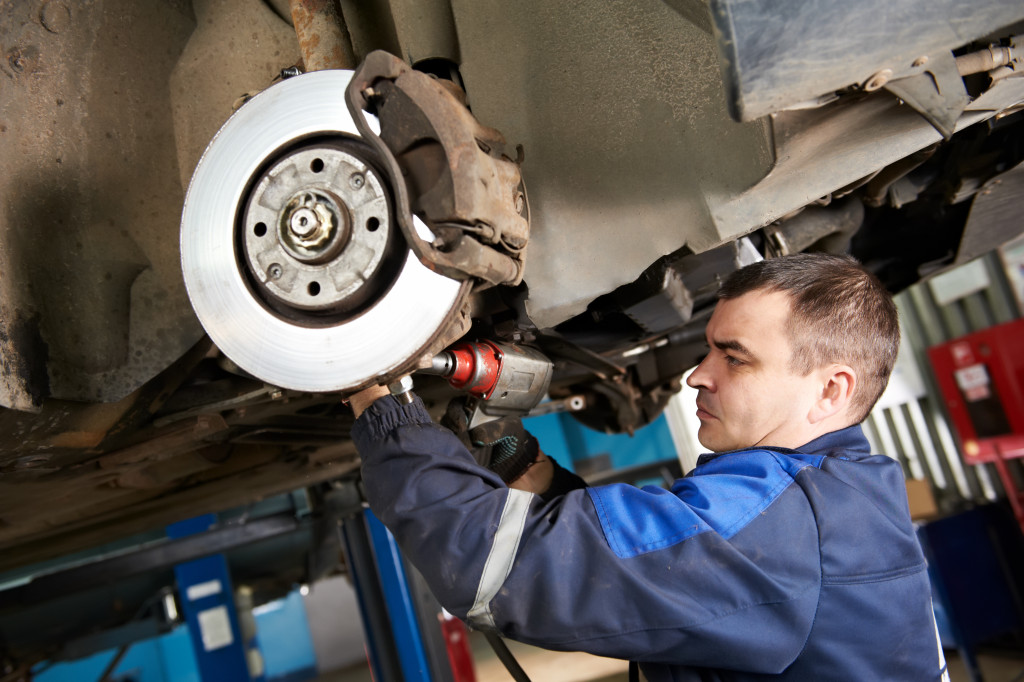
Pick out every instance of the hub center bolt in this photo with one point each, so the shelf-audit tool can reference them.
(309, 220)
(304, 222)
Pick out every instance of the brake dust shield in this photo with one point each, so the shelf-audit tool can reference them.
(291, 253)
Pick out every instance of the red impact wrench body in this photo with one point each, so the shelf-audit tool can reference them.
(473, 367)
(508, 379)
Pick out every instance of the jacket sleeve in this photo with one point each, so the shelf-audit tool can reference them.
(562, 481)
(650, 575)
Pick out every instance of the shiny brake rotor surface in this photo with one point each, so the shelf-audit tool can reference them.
(290, 258)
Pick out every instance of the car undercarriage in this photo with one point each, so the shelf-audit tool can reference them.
(221, 218)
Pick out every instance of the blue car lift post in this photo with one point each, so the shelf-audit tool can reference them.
(208, 600)
(403, 636)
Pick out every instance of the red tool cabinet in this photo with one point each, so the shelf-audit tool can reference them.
(981, 376)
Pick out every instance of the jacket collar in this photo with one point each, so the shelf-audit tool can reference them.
(848, 443)
(844, 442)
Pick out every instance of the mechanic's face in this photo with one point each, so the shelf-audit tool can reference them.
(747, 395)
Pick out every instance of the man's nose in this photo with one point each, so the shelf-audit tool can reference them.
(700, 377)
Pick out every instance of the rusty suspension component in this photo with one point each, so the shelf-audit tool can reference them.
(446, 168)
(323, 39)
(992, 57)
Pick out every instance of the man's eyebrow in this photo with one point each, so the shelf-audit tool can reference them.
(733, 345)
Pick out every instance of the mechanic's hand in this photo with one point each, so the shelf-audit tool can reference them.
(366, 397)
(538, 477)
(501, 445)
(504, 447)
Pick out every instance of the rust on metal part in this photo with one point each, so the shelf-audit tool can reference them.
(456, 174)
(322, 35)
(168, 442)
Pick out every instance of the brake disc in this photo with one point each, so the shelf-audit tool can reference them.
(291, 254)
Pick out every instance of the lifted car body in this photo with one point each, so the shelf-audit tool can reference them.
(661, 145)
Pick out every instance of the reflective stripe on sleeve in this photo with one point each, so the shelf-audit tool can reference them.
(942, 656)
(502, 555)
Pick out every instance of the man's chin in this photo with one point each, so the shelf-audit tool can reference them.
(708, 440)
(717, 441)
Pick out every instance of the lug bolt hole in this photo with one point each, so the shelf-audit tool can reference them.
(313, 288)
(259, 229)
(372, 224)
(317, 165)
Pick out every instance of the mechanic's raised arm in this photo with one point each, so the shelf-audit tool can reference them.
(577, 572)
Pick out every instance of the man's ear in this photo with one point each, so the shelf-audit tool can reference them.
(838, 384)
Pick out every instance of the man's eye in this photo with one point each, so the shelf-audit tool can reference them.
(733, 362)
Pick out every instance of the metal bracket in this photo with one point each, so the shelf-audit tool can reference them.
(445, 168)
(938, 93)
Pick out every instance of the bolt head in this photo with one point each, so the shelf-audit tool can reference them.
(16, 60)
(357, 180)
(304, 222)
(308, 221)
(275, 271)
(878, 80)
(401, 385)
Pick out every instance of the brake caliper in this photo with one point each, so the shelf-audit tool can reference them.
(447, 169)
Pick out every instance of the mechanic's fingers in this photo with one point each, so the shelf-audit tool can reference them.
(366, 397)
(537, 478)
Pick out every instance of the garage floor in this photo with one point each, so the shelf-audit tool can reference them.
(543, 666)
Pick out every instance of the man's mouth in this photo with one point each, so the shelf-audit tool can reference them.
(703, 413)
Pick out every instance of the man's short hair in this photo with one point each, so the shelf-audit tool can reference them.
(840, 313)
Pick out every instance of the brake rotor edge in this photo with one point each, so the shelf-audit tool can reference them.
(384, 341)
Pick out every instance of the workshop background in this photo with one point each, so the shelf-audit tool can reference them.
(205, 243)
(964, 488)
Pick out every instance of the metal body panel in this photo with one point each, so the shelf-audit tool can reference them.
(995, 215)
(87, 221)
(634, 158)
(103, 104)
(821, 150)
(780, 53)
(621, 112)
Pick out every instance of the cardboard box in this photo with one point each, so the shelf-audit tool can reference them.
(922, 500)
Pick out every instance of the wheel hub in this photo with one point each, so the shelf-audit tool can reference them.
(291, 257)
(316, 231)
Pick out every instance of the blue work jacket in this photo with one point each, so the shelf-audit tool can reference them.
(761, 564)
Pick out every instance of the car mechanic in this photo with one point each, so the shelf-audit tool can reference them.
(787, 554)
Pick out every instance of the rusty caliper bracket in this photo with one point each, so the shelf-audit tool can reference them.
(446, 168)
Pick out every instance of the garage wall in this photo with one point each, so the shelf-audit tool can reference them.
(909, 422)
(588, 452)
(335, 625)
(168, 658)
